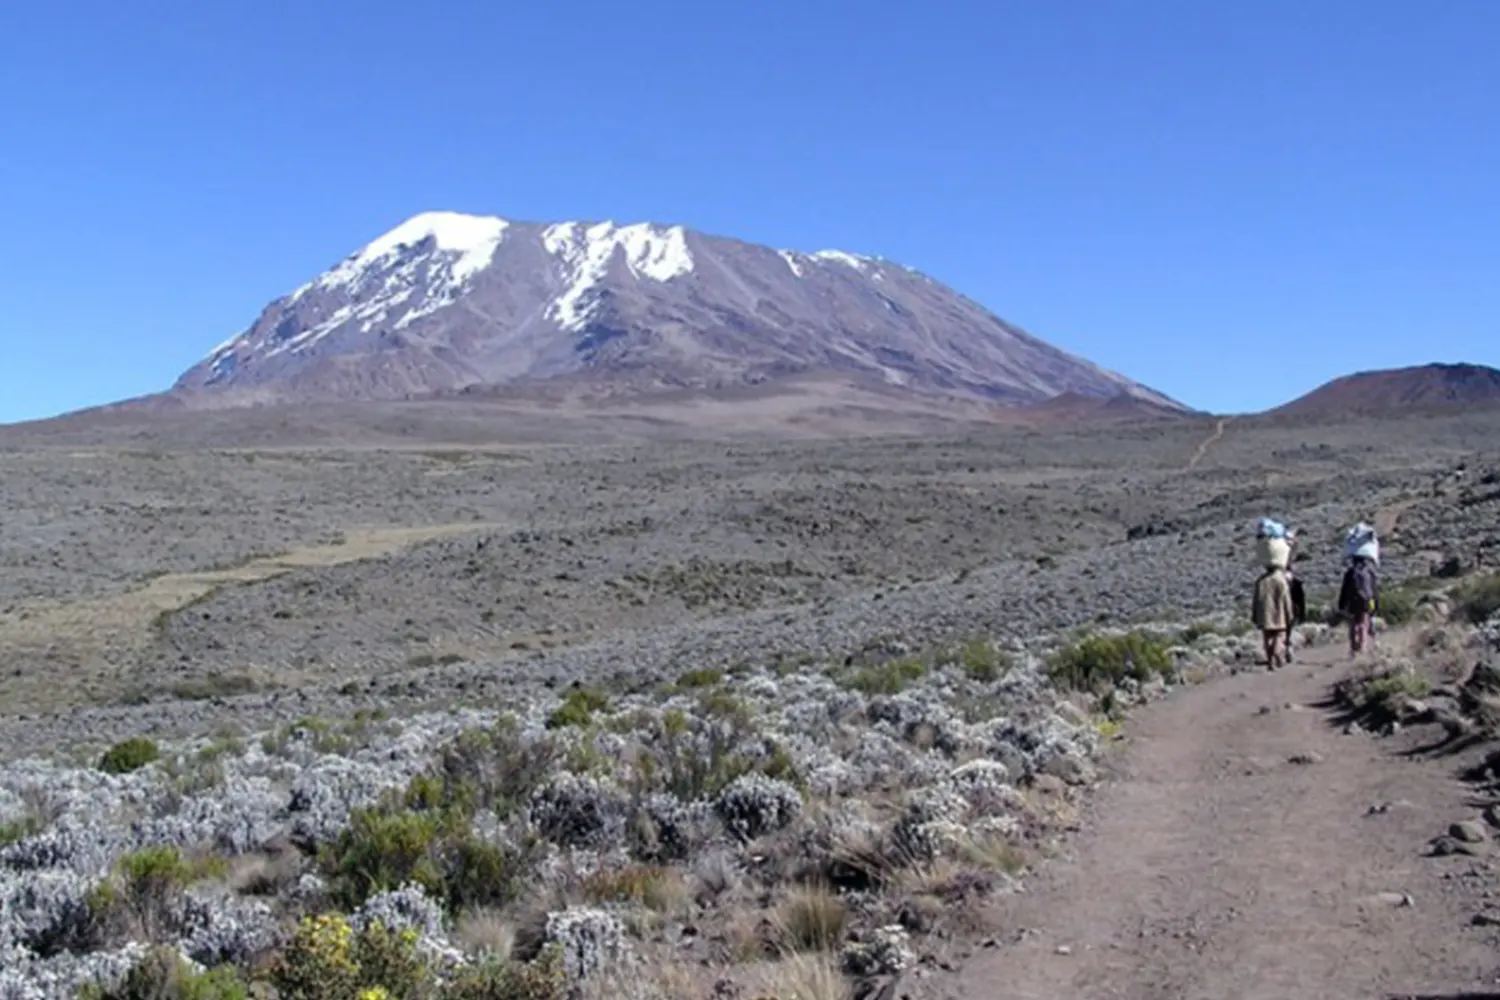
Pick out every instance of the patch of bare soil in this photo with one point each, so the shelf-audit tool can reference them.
(92, 633)
(1246, 846)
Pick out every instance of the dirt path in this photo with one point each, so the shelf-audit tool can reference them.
(1214, 867)
(1206, 444)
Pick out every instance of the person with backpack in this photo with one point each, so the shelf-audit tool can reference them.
(1271, 605)
(1299, 592)
(1358, 597)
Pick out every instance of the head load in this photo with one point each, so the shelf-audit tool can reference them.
(1362, 543)
(1273, 544)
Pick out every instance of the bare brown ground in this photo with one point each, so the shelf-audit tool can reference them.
(88, 634)
(1216, 867)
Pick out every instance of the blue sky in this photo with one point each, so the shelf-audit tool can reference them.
(1231, 202)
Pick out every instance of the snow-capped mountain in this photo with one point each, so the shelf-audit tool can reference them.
(448, 302)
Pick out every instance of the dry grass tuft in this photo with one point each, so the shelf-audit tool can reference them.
(994, 853)
(804, 977)
(485, 932)
(811, 919)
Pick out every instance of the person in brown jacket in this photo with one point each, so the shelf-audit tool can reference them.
(1271, 610)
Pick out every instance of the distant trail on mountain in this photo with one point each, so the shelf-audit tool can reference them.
(1206, 444)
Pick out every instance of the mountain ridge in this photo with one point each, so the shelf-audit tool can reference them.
(446, 302)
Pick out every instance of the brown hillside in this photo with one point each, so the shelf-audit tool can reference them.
(1396, 389)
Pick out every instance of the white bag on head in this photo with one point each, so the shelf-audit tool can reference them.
(1362, 543)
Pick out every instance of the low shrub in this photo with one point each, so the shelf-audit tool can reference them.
(1398, 605)
(214, 685)
(494, 768)
(699, 679)
(577, 709)
(1097, 662)
(1385, 688)
(138, 900)
(888, 678)
(1194, 631)
(18, 830)
(433, 845)
(1478, 600)
(695, 762)
(328, 959)
(543, 978)
(131, 755)
(163, 975)
(983, 662)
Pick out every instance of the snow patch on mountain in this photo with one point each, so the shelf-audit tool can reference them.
(840, 257)
(468, 243)
(799, 262)
(586, 251)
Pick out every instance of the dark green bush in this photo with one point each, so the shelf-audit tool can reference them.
(699, 679)
(577, 709)
(1098, 662)
(26, 826)
(983, 662)
(426, 838)
(382, 849)
(1384, 689)
(1398, 605)
(888, 678)
(131, 755)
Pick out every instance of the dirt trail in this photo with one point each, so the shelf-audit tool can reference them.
(1206, 444)
(1212, 866)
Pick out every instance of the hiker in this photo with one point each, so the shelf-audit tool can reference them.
(1271, 606)
(1360, 591)
(1299, 592)
(1357, 600)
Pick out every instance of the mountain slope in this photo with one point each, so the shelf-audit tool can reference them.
(448, 302)
(1396, 389)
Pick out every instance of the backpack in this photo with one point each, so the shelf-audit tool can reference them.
(1357, 596)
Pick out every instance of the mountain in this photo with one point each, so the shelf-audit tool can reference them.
(1396, 389)
(448, 303)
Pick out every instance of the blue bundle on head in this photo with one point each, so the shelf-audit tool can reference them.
(1268, 528)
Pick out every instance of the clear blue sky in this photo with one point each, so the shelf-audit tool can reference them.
(1229, 201)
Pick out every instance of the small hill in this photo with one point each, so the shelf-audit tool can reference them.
(1433, 386)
